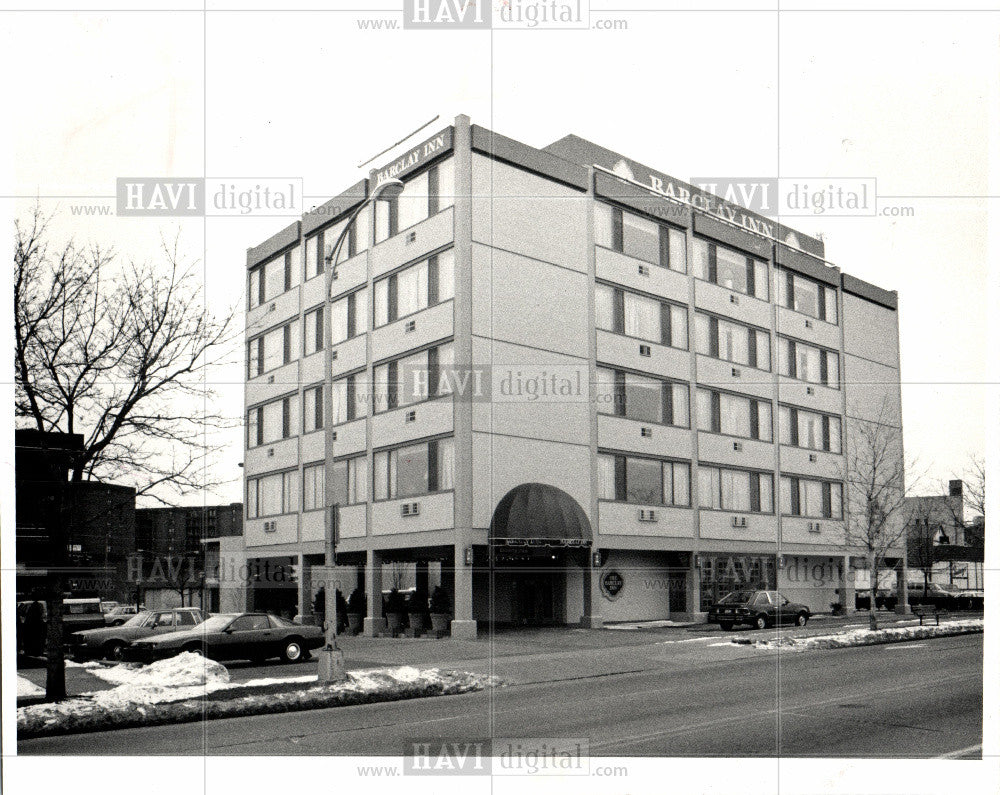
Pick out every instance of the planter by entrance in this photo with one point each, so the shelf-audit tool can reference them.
(440, 623)
(416, 624)
(395, 622)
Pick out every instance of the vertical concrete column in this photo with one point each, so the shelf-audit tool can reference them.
(693, 589)
(305, 590)
(591, 595)
(463, 625)
(902, 606)
(374, 621)
(846, 599)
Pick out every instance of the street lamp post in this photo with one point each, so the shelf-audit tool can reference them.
(331, 658)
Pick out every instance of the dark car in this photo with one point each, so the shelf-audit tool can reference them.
(760, 609)
(234, 636)
(111, 642)
(885, 599)
(943, 596)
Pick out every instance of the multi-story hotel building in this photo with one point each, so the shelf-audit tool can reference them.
(568, 387)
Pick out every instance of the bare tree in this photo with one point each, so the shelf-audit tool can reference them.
(116, 352)
(924, 522)
(876, 519)
(120, 358)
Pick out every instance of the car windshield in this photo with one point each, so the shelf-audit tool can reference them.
(950, 587)
(215, 623)
(737, 598)
(281, 622)
(137, 620)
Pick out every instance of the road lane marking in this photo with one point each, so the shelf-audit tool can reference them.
(961, 752)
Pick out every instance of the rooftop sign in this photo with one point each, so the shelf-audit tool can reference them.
(415, 157)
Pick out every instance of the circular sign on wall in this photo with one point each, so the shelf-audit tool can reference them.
(612, 583)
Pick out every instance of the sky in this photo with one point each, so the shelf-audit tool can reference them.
(906, 99)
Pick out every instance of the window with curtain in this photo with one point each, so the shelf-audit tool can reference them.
(272, 495)
(423, 195)
(815, 499)
(730, 268)
(643, 481)
(808, 363)
(732, 342)
(725, 489)
(273, 421)
(348, 316)
(413, 470)
(312, 409)
(417, 287)
(313, 487)
(313, 336)
(640, 237)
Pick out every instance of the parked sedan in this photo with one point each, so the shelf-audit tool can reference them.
(111, 642)
(234, 636)
(761, 609)
(119, 614)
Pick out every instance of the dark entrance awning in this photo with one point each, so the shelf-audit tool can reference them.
(539, 515)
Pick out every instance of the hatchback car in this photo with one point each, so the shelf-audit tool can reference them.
(234, 636)
(111, 642)
(760, 609)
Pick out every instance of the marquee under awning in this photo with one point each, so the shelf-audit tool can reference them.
(539, 515)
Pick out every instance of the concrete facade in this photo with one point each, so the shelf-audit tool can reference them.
(636, 348)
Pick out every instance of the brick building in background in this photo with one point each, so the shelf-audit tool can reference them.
(84, 529)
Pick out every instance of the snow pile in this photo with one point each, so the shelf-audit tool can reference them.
(867, 637)
(187, 675)
(658, 624)
(144, 699)
(28, 689)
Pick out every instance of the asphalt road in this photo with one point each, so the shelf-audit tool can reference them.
(921, 699)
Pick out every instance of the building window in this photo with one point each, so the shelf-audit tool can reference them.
(350, 398)
(731, 269)
(732, 342)
(734, 415)
(816, 499)
(319, 247)
(312, 409)
(272, 495)
(808, 363)
(272, 349)
(272, 422)
(411, 379)
(416, 469)
(313, 335)
(638, 316)
(640, 237)
(348, 316)
(643, 481)
(640, 397)
(724, 489)
(808, 429)
(423, 196)
(804, 295)
(414, 288)
(350, 478)
(273, 278)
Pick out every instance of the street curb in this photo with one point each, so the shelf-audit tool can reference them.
(231, 703)
(872, 637)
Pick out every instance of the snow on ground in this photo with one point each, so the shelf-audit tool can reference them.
(27, 689)
(650, 624)
(145, 696)
(867, 637)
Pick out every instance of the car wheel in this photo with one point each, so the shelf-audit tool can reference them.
(761, 622)
(801, 619)
(114, 650)
(726, 626)
(293, 650)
